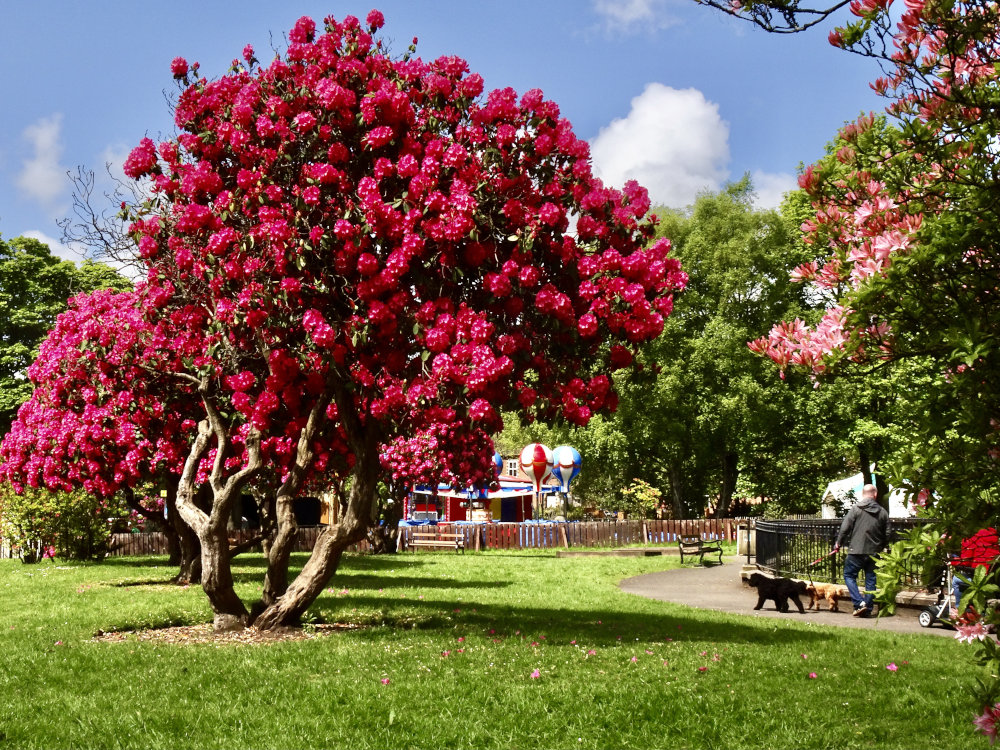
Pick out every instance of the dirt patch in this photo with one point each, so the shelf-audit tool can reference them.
(203, 634)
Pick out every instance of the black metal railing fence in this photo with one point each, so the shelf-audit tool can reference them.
(801, 548)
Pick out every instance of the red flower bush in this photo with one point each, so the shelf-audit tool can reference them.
(355, 262)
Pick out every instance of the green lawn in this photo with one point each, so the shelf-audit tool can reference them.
(458, 638)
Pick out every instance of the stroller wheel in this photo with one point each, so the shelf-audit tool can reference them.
(925, 618)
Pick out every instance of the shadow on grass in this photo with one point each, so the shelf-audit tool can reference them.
(380, 615)
(602, 627)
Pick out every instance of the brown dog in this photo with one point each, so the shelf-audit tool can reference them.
(829, 591)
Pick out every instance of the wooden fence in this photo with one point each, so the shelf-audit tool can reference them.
(492, 535)
(587, 534)
(155, 542)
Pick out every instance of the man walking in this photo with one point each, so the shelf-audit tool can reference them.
(866, 529)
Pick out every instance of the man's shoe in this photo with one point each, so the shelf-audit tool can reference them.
(862, 611)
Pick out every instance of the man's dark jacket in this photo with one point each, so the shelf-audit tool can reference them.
(866, 526)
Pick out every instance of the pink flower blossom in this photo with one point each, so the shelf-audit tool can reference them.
(179, 67)
(385, 680)
(891, 666)
(969, 633)
(536, 674)
(987, 722)
(813, 675)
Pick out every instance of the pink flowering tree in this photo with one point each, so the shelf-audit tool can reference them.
(355, 262)
(103, 416)
(906, 228)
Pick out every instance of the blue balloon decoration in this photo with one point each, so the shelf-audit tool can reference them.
(567, 463)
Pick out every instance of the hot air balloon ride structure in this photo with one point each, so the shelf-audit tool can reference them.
(567, 463)
(538, 474)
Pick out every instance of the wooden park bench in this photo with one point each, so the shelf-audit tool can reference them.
(442, 540)
(692, 544)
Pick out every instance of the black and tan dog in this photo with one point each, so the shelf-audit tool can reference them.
(832, 592)
(780, 590)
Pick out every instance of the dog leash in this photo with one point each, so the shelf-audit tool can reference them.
(815, 562)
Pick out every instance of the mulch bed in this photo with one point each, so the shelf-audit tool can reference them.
(203, 634)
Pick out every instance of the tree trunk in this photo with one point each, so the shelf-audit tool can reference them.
(211, 527)
(866, 464)
(268, 514)
(330, 545)
(190, 564)
(383, 535)
(676, 490)
(279, 552)
(217, 581)
(280, 549)
(188, 546)
(730, 472)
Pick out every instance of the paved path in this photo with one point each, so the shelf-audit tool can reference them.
(720, 588)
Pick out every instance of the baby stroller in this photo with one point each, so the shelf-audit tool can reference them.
(940, 611)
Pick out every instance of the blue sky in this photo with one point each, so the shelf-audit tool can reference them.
(668, 92)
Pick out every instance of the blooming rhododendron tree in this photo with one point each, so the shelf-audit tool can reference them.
(104, 416)
(355, 261)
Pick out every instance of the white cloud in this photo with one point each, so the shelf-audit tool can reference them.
(42, 177)
(771, 188)
(673, 142)
(633, 15)
(58, 249)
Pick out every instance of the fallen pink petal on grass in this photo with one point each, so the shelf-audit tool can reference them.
(536, 674)
(635, 659)
(813, 675)
(385, 680)
(891, 666)
(702, 669)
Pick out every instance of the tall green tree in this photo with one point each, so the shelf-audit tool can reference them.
(709, 397)
(34, 288)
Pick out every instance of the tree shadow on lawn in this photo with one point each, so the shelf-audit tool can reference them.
(604, 627)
